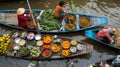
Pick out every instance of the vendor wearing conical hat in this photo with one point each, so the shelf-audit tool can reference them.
(23, 17)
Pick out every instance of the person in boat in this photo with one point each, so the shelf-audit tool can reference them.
(24, 20)
(59, 11)
(106, 35)
(101, 64)
(23, 17)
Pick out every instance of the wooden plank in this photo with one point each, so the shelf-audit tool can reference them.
(9, 18)
(2, 17)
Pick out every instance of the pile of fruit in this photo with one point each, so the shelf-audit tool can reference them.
(55, 48)
(47, 39)
(4, 42)
(65, 44)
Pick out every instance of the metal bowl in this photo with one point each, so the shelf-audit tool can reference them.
(37, 37)
(39, 43)
(16, 40)
(79, 46)
(74, 42)
(22, 42)
(73, 49)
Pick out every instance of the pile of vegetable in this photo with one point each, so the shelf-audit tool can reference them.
(23, 51)
(35, 52)
(46, 53)
(48, 21)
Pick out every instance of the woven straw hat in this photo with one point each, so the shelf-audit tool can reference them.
(20, 11)
(114, 30)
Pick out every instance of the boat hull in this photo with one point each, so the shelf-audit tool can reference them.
(96, 21)
(92, 35)
(87, 48)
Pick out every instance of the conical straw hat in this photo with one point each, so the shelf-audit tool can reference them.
(114, 30)
(20, 11)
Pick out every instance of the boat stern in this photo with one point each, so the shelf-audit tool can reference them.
(89, 34)
(116, 60)
(104, 20)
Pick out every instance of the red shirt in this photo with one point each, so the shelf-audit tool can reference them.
(103, 33)
(101, 64)
(22, 19)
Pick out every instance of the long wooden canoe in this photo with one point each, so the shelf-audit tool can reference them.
(16, 50)
(106, 62)
(92, 35)
(8, 18)
(5, 0)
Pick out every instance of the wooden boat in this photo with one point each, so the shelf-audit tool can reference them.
(116, 60)
(92, 35)
(8, 18)
(6, 0)
(106, 63)
(42, 47)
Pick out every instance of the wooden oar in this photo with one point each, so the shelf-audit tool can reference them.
(37, 29)
(69, 22)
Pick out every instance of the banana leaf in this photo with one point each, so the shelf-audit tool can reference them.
(72, 6)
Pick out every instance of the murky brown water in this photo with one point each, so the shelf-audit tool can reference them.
(107, 8)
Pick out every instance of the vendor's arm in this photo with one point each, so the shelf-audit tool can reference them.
(109, 38)
(62, 10)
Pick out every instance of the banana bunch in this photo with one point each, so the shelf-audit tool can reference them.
(4, 42)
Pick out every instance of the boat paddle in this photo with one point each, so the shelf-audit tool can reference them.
(69, 25)
(35, 23)
(67, 16)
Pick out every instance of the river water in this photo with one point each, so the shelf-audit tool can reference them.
(107, 8)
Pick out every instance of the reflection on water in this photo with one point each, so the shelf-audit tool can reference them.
(107, 8)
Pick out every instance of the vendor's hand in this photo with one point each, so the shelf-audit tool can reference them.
(64, 6)
(112, 42)
(30, 13)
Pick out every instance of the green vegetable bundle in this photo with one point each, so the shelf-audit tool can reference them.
(48, 21)
(23, 51)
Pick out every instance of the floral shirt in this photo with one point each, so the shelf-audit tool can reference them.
(103, 33)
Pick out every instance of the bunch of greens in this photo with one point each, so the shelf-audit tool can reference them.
(23, 51)
(48, 21)
(30, 42)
